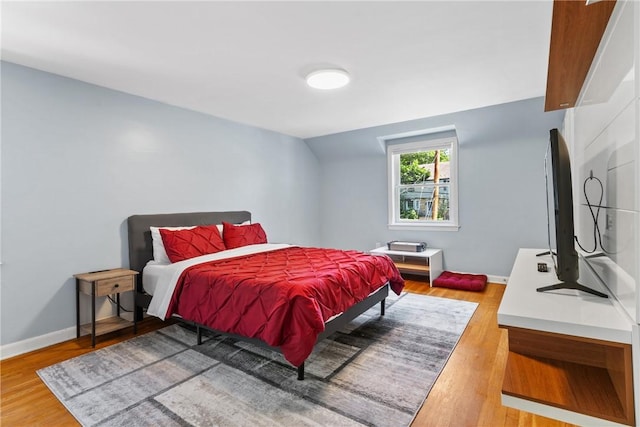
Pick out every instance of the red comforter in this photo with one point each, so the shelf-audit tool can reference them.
(282, 297)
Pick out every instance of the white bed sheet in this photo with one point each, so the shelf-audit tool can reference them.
(160, 280)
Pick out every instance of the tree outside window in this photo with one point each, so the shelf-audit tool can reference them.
(423, 183)
(416, 169)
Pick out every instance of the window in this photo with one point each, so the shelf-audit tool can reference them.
(423, 184)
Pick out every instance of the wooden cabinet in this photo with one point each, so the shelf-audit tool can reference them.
(426, 263)
(570, 354)
(99, 284)
(576, 30)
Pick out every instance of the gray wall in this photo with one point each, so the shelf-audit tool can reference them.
(78, 159)
(501, 191)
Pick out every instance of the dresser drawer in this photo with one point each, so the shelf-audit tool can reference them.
(114, 285)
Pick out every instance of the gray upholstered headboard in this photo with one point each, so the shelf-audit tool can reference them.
(140, 245)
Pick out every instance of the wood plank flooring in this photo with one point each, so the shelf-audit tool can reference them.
(467, 393)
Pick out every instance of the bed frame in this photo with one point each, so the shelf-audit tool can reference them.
(141, 252)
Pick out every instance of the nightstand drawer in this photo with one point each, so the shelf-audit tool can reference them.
(114, 286)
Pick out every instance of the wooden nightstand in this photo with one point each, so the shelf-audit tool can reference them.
(98, 284)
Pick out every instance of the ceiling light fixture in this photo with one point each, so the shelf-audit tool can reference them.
(328, 79)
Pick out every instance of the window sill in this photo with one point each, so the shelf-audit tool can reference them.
(425, 227)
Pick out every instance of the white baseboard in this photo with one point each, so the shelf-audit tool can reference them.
(498, 279)
(36, 343)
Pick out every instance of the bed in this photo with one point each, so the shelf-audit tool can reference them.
(298, 305)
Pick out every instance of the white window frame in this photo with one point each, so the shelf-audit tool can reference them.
(393, 170)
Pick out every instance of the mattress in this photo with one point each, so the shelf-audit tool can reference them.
(151, 275)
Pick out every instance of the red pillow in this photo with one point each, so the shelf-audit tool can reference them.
(185, 244)
(236, 236)
(468, 282)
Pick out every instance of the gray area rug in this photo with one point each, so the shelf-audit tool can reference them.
(376, 372)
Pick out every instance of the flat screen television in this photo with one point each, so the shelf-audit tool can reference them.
(565, 258)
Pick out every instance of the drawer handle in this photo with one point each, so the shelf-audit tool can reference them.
(116, 285)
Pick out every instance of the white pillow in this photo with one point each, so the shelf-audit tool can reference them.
(159, 253)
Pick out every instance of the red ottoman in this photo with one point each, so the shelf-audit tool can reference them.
(467, 282)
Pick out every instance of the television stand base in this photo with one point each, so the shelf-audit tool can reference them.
(572, 285)
(546, 253)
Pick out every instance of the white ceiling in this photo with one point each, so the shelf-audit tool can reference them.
(246, 61)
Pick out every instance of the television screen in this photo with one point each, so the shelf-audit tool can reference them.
(565, 258)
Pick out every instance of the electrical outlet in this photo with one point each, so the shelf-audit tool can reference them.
(609, 219)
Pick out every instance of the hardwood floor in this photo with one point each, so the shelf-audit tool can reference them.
(26, 401)
(467, 393)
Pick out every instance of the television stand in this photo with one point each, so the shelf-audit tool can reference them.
(572, 285)
(569, 356)
(598, 255)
